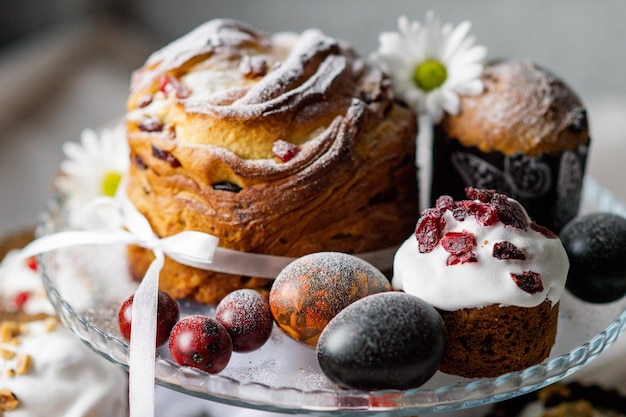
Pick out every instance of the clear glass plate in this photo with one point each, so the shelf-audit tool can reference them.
(87, 285)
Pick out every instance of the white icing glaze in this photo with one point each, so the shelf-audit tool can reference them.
(65, 378)
(17, 278)
(488, 281)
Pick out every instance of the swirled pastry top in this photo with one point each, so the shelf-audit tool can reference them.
(523, 108)
(228, 85)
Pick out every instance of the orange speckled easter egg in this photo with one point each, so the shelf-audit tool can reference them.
(311, 290)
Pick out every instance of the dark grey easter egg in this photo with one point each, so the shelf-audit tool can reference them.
(596, 247)
(389, 340)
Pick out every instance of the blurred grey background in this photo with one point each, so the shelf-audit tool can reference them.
(65, 65)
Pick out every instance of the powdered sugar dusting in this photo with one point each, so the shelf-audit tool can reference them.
(301, 81)
(523, 98)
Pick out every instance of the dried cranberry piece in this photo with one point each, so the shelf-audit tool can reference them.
(445, 202)
(284, 151)
(31, 262)
(507, 250)
(429, 230)
(528, 281)
(139, 162)
(151, 125)
(145, 101)
(509, 212)
(171, 84)
(165, 156)
(459, 245)
(543, 230)
(481, 195)
(21, 298)
(484, 213)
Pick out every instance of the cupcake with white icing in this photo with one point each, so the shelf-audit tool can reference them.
(495, 276)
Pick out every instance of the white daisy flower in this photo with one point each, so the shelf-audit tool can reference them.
(93, 168)
(431, 65)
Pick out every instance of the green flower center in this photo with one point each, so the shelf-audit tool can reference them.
(110, 182)
(430, 74)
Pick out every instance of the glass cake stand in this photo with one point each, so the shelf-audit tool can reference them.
(87, 285)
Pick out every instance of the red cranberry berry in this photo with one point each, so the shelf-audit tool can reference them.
(459, 245)
(151, 125)
(483, 196)
(284, 151)
(509, 212)
(485, 214)
(246, 315)
(171, 84)
(445, 202)
(544, 231)
(507, 250)
(21, 298)
(165, 156)
(31, 262)
(167, 315)
(429, 230)
(201, 342)
(528, 281)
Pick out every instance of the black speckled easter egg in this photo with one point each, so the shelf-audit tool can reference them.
(596, 247)
(389, 340)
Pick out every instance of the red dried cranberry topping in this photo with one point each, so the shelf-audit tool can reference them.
(429, 230)
(165, 156)
(171, 84)
(21, 298)
(31, 262)
(543, 230)
(485, 214)
(459, 245)
(284, 151)
(460, 212)
(507, 250)
(528, 281)
(151, 125)
(483, 196)
(509, 212)
(445, 202)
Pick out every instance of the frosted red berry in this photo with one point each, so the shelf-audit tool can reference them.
(21, 298)
(246, 314)
(168, 314)
(284, 151)
(484, 213)
(171, 85)
(201, 342)
(459, 245)
(544, 231)
(509, 212)
(445, 202)
(507, 250)
(528, 281)
(429, 230)
(31, 262)
(481, 195)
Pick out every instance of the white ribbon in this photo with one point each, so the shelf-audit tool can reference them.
(191, 248)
